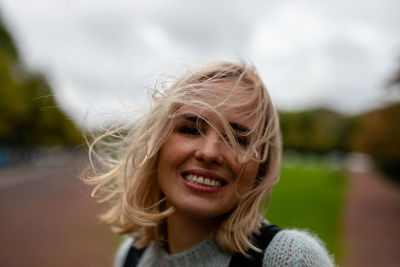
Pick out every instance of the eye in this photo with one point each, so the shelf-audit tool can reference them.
(242, 140)
(189, 129)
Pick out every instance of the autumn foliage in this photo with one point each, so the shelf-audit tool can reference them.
(379, 135)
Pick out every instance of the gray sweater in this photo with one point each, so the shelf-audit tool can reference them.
(287, 248)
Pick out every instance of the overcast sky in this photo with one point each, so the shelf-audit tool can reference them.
(99, 56)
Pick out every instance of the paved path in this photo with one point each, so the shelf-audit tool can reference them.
(371, 222)
(47, 219)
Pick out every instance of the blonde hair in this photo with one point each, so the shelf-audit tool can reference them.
(124, 159)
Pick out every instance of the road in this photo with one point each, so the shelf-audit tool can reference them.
(371, 222)
(48, 219)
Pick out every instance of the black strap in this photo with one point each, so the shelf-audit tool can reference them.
(267, 233)
(133, 256)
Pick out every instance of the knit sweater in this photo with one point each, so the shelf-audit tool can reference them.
(287, 248)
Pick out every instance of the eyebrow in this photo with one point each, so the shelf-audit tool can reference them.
(197, 119)
(192, 118)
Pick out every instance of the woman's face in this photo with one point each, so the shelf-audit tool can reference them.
(197, 171)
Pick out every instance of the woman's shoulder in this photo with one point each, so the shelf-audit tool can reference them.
(296, 248)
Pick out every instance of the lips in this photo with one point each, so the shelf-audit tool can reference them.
(202, 181)
(204, 178)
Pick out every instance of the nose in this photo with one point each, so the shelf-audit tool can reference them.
(209, 151)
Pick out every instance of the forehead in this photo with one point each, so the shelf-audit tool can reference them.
(227, 92)
(225, 99)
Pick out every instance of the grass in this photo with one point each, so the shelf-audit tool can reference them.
(310, 196)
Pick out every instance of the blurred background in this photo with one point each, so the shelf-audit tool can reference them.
(332, 69)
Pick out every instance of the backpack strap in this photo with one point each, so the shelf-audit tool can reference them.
(267, 233)
(133, 256)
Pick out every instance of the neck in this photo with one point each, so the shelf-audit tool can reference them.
(184, 232)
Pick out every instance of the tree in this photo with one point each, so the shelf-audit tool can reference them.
(318, 130)
(378, 136)
(29, 115)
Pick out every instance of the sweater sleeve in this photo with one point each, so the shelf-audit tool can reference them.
(123, 252)
(297, 249)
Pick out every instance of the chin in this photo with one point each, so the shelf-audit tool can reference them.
(204, 211)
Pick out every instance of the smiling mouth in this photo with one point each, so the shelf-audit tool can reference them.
(200, 180)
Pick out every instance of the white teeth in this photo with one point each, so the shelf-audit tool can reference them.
(203, 181)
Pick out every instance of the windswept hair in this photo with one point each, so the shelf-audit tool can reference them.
(124, 159)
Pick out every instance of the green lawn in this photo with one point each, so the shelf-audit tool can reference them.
(309, 196)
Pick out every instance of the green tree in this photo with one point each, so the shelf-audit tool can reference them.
(28, 113)
(318, 130)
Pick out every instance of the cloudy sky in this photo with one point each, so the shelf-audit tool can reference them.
(100, 56)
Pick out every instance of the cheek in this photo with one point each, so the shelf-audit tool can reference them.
(165, 165)
(172, 154)
(248, 175)
(169, 151)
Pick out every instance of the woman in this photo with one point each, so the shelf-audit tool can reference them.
(186, 181)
